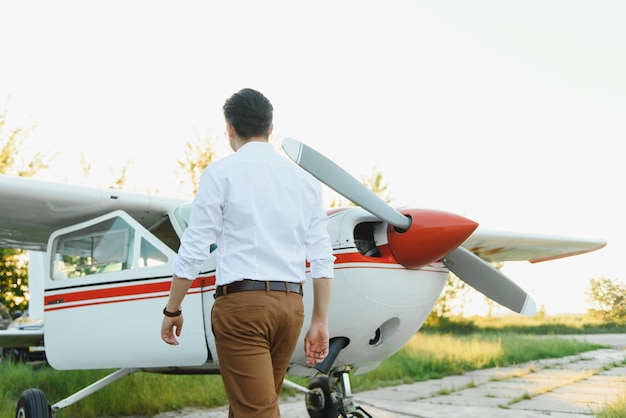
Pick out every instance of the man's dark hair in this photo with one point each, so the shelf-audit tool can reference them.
(250, 113)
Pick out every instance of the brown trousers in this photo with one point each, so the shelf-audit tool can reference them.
(255, 333)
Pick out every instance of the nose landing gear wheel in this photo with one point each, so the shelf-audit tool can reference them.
(319, 403)
(33, 404)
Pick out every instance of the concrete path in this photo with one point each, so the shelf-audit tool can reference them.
(570, 387)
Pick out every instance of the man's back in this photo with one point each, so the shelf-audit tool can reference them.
(269, 209)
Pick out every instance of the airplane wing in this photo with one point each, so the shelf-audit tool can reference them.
(30, 210)
(21, 338)
(494, 246)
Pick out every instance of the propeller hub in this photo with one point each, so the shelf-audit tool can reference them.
(432, 235)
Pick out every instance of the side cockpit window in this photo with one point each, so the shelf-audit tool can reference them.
(104, 247)
(150, 255)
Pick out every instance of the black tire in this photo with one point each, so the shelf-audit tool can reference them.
(33, 404)
(320, 404)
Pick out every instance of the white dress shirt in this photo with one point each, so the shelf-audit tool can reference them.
(266, 216)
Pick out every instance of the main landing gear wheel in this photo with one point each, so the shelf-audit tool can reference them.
(319, 403)
(33, 404)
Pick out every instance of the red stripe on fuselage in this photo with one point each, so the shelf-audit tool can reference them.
(149, 290)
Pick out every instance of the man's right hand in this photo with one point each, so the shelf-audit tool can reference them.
(316, 343)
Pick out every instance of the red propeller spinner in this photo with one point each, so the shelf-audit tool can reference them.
(431, 236)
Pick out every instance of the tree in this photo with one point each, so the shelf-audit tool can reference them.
(14, 278)
(13, 262)
(11, 158)
(119, 174)
(375, 183)
(608, 297)
(120, 181)
(198, 155)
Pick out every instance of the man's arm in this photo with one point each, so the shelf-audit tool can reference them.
(179, 289)
(173, 326)
(316, 339)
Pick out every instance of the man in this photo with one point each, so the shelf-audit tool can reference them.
(267, 218)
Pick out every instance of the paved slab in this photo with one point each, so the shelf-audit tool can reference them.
(570, 387)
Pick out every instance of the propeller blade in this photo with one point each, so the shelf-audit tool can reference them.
(342, 182)
(483, 277)
(468, 267)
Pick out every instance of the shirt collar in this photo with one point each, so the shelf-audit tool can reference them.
(255, 146)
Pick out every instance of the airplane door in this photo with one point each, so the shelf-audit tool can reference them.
(106, 284)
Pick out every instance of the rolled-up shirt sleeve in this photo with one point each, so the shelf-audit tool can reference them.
(205, 222)
(319, 249)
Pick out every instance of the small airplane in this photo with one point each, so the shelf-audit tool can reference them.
(106, 260)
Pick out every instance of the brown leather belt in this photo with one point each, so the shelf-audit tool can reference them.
(246, 285)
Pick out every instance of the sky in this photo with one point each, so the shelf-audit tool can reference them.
(510, 113)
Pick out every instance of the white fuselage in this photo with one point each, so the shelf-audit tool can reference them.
(109, 315)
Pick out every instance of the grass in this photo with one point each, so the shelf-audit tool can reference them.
(614, 410)
(554, 325)
(434, 353)
(432, 356)
(143, 394)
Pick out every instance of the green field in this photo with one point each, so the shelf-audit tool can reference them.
(452, 348)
